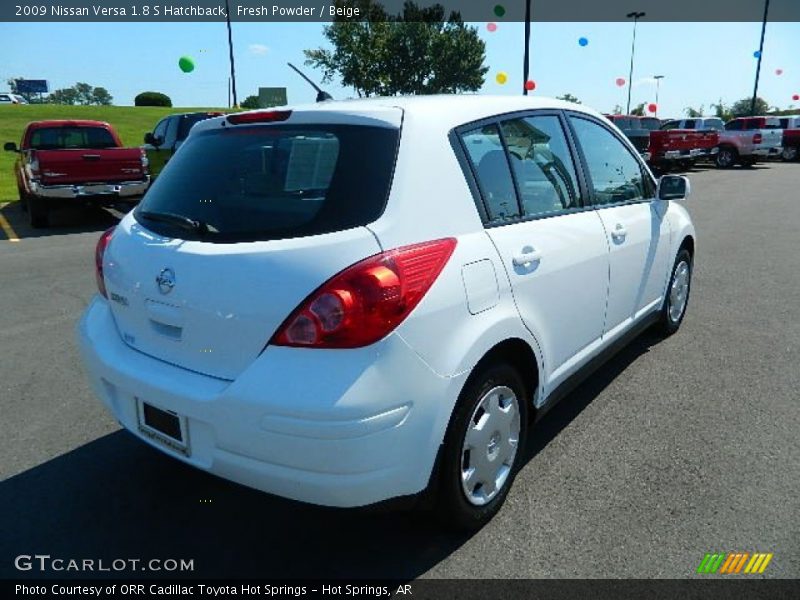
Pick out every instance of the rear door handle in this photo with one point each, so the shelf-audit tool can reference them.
(527, 256)
(619, 233)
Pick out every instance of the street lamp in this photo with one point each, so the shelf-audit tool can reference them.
(635, 16)
(230, 52)
(526, 60)
(658, 79)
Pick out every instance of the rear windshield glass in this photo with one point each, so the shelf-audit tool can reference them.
(272, 182)
(627, 123)
(651, 123)
(714, 124)
(772, 123)
(57, 138)
(187, 121)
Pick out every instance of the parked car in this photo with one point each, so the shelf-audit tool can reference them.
(8, 99)
(673, 145)
(168, 135)
(64, 162)
(791, 144)
(631, 126)
(385, 332)
(698, 123)
(748, 139)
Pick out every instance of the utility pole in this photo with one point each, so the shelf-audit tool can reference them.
(760, 55)
(230, 52)
(526, 60)
(635, 16)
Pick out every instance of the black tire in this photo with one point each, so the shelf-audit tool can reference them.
(726, 157)
(671, 320)
(453, 508)
(747, 162)
(23, 201)
(789, 153)
(38, 213)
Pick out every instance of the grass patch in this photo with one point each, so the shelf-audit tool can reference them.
(130, 122)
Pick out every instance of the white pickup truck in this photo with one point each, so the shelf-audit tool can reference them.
(748, 139)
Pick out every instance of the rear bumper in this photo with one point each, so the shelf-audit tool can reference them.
(767, 152)
(122, 189)
(689, 154)
(298, 423)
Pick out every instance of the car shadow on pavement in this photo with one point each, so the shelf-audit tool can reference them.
(63, 220)
(116, 497)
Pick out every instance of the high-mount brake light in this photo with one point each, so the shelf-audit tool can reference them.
(368, 300)
(259, 116)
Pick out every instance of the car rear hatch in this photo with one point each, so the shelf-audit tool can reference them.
(243, 224)
(110, 165)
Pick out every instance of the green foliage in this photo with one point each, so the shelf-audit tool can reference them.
(617, 110)
(569, 98)
(417, 52)
(250, 102)
(81, 93)
(693, 113)
(741, 108)
(638, 110)
(722, 111)
(152, 99)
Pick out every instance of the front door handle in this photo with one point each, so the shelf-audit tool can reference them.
(619, 233)
(527, 256)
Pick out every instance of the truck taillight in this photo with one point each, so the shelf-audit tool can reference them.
(757, 138)
(368, 300)
(33, 165)
(145, 162)
(99, 254)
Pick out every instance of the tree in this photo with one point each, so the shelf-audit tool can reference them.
(416, 52)
(152, 99)
(693, 113)
(63, 96)
(250, 102)
(639, 110)
(568, 98)
(101, 97)
(741, 108)
(617, 110)
(722, 111)
(84, 91)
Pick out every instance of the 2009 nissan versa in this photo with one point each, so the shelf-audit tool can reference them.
(354, 301)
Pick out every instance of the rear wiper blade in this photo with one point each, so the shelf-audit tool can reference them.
(179, 220)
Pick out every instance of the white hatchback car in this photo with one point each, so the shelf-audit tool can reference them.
(354, 301)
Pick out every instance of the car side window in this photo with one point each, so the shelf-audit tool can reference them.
(733, 126)
(490, 165)
(690, 124)
(617, 176)
(670, 125)
(542, 163)
(161, 129)
(172, 131)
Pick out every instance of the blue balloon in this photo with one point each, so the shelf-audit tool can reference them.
(583, 41)
(757, 54)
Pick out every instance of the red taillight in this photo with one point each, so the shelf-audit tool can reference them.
(145, 162)
(259, 116)
(757, 138)
(99, 252)
(366, 301)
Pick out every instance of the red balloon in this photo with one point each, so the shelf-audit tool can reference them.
(530, 85)
(652, 107)
(778, 71)
(620, 81)
(796, 97)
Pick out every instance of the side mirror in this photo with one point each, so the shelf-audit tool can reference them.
(153, 140)
(673, 187)
(10, 147)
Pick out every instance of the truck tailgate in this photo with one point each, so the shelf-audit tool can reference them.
(90, 166)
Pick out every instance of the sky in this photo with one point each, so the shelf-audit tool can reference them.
(701, 62)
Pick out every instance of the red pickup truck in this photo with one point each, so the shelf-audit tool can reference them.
(670, 146)
(75, 161)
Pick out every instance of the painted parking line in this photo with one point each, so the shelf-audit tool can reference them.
(6, 226)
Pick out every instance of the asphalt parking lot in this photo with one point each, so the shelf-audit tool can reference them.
(673, 449)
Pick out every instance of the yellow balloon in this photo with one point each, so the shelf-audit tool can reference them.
(501, 78)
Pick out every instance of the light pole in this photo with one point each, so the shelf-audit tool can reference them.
(658, 79)
(760, 52)
(526, 59)
(635, 16)
(230, 52)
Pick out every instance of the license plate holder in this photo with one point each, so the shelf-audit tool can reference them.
(166, 427)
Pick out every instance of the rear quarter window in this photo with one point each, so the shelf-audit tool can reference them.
(274, 182)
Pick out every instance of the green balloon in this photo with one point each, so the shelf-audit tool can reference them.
(499, 10)
(186, 64)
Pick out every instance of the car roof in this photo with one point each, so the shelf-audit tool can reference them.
(447, 110)
(67, 123)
